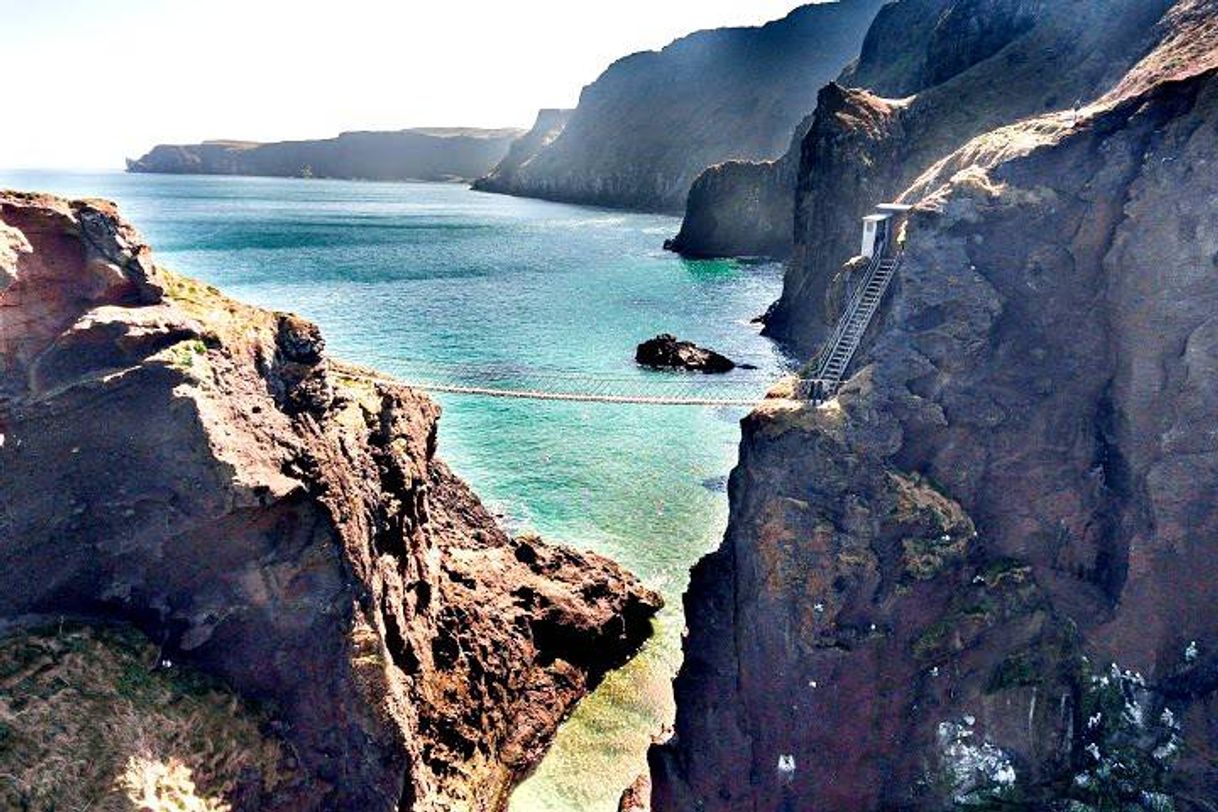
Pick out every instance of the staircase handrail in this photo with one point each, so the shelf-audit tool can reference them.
(843, 323)
(896, 260)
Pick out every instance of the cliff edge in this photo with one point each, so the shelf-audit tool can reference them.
(200, 469)
(980, 577)
(1008, 60)
(950, 70)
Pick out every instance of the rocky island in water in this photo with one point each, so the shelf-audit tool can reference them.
(972, 567)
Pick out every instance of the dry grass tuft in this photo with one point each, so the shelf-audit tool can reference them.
(87, 723)
(230, 319)
(1189, 48)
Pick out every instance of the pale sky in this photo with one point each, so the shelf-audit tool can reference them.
(90, 82)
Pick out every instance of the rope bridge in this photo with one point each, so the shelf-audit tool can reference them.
(740, 388)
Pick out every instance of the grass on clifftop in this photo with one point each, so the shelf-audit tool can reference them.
(88, 723)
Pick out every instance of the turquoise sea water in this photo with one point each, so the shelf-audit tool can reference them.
(405, 277)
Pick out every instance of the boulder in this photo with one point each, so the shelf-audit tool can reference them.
(665, 351)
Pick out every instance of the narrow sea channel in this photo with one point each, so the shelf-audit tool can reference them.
(411, 278)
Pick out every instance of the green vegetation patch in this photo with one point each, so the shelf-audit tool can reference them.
(938, 533)
(923, 559)
(935, 640)
(1016, 671)
(183, 354)
(1005, 570)
(1130, 741)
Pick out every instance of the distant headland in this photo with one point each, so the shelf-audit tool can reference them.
(432, 154)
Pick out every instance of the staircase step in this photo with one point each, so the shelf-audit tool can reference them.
(834, 358)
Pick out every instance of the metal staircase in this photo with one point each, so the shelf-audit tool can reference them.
(839, 349)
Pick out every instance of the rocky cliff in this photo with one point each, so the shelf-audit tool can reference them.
(980, 576)
(419, 154)
(739, 209)
(646, 128)
(742, 208)
(200, 469)
(863, 149)
(747, 208)
(548, 126)
(974, 65)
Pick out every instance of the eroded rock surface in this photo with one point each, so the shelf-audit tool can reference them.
(926, 581)
(201, 469)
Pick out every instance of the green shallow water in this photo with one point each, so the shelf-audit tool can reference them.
(404, 277)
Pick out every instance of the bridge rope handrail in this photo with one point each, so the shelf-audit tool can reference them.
(507, 379)
(602, 393)
(590, 380)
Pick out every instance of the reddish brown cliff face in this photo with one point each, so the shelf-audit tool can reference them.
(201, 469)
(925, 582)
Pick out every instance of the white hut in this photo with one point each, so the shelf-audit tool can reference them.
(877, 227)
(874, 227)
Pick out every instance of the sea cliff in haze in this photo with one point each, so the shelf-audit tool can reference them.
(419, 154)
(646, 128)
